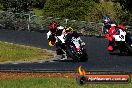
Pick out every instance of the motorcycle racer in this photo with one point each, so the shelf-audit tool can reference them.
(58, 35)
(56, 31)
(69, 32)
(51, 33)
(112, 29)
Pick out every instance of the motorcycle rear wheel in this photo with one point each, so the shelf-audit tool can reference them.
(129, 47)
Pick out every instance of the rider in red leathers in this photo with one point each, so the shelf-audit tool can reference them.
(112, 30)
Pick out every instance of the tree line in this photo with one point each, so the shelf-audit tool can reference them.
(89, 10)
(22, 5)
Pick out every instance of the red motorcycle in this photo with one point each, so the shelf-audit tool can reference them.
(119, 39)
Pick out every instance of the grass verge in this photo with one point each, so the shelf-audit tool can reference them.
(54, 83)
(14, 52)
(48, 80)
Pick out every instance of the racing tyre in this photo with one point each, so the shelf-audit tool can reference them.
(129, 47)
(82, 57)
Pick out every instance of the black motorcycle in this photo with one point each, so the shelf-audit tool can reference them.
(73, 47)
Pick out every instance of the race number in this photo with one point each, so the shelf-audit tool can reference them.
(119, 37)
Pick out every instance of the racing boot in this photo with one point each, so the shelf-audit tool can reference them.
(110, 48)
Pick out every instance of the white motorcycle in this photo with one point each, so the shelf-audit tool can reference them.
(123, 41)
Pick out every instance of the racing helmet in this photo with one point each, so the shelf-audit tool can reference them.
(69, 29)
(106, 19)
(53, 26)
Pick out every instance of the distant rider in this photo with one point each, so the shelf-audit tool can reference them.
(110, 29)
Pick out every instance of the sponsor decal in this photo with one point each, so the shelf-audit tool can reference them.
(101, 78)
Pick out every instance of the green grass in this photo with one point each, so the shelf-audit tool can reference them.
(54, 83)
(13, 52)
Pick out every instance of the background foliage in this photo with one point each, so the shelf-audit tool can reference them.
(88, 10)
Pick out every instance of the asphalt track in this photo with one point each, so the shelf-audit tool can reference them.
(99, 58)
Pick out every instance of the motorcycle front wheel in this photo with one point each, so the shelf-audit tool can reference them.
(77, 57)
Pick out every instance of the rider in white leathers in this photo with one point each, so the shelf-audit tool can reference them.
(54, 36)
(62, 34)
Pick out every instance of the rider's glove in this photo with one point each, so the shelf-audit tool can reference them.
(51, 43)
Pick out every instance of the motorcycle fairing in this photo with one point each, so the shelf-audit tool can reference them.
(121, 36)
